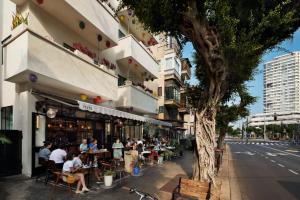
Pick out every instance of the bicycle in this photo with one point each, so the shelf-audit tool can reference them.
(143, 195)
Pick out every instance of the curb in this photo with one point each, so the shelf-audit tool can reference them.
(229, 188)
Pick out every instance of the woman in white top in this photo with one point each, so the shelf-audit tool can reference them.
(70, 170)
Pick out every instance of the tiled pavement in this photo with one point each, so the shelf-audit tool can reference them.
(158, 180)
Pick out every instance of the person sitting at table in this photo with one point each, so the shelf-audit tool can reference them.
(76, 160)
(83, 146)
(70, 170)
(45, 152)
(93, 146)
(117, 147)
(58, 156)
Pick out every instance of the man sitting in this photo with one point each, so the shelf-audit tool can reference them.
(58, 156)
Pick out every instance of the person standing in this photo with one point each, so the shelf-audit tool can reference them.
(117, 149)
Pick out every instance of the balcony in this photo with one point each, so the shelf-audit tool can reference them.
(172, 74)
(142, 60)
(135, 98)
(26, 53)
(96, 18)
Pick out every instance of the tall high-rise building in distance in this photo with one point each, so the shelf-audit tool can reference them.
(281, 84)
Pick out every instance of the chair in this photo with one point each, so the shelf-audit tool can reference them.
(43, 162)
(51, 168)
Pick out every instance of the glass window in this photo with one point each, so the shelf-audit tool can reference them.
(169, 63)
(7, 118)
(161, 109)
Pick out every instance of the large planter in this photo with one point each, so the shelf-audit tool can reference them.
(108, 180)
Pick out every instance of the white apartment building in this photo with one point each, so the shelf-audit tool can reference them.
(281, 91)
(281, 84)
(74, 70)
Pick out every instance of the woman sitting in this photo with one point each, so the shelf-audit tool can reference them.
(70, 170)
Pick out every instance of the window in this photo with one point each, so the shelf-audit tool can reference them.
(159, 91)
(161, 109)
(169, 63)
(121, 80)
(7, 118)
(121, 34)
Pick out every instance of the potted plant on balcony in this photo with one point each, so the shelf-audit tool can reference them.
(108, 178)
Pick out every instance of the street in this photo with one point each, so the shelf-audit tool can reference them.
(266, 170)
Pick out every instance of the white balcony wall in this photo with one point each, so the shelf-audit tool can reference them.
(128, 47)
(55, 67)
(100, 17)
(139, 100)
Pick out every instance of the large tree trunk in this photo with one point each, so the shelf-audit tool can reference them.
(221, 137)
(204, 163)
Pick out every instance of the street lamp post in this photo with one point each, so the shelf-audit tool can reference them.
(265, 128)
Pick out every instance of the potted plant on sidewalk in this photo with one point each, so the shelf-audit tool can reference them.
(108, 178)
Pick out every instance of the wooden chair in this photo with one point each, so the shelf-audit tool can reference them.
(190, 189)
(51, 169)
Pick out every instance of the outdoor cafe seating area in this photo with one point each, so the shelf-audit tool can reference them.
(102, 169)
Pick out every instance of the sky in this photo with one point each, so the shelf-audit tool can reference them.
(256, 85)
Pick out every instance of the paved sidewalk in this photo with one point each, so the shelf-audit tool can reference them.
(229, 187)
(158, 180)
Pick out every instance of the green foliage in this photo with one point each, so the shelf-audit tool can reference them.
(108, 173)
(18, 19)
(4, 139)
(228, 113)
(234, 132)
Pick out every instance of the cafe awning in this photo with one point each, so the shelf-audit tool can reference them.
(158, 122)
(108, 111)
(101, 109)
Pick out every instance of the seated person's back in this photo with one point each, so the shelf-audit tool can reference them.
(58, 156)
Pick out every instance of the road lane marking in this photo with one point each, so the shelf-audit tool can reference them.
(280, 165)
(283, 152)
(266, 157)
(273, 161)
(293, 172)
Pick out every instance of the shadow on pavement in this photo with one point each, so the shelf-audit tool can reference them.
(292, 187)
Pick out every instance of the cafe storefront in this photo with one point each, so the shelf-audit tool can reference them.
(66, 122)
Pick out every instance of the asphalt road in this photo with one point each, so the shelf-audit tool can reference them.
(266, 170)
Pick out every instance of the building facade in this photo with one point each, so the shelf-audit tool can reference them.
(170, 87)
(75, 74)
(281, 95)
(281, 84)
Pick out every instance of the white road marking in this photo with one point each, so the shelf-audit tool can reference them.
(280, 165)
(271, 143)
(291, 150)
(273, 161)
(283, 151)
(270, 154)
(266, 157)
(293, 172)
